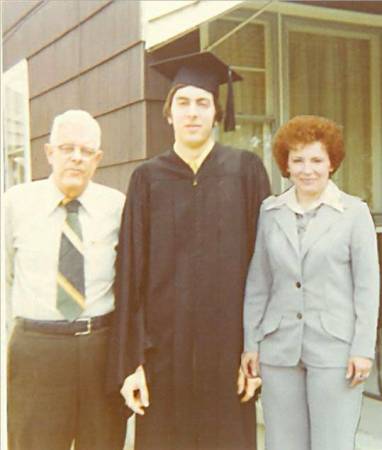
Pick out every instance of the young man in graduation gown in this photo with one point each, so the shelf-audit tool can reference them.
(187, 235)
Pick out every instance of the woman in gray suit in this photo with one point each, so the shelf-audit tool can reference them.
(311, 298)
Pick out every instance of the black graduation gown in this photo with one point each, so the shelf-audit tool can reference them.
(184, 249)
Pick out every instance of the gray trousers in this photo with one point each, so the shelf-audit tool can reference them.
(309, 408)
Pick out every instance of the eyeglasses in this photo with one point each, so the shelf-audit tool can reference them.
(68, 149)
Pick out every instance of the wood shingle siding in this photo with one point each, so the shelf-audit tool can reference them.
(87, 55)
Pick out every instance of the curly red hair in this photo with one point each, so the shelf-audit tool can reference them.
(303, 130)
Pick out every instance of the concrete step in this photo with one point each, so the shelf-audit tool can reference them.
(366, 441)
(369, 436)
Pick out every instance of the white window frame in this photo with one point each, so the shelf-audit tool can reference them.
(16, 78)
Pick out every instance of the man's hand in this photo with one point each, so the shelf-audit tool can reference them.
(250, 364)
(248, 380)
(247, 386)
(358, 369)
(135, 392)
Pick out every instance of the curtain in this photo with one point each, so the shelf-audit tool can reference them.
(330, 76)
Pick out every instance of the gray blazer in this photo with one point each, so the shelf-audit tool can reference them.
(320, 302)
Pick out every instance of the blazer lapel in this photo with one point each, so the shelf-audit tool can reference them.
(325, 218)
(287, 222)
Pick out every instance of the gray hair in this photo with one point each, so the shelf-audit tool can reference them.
(75, 116)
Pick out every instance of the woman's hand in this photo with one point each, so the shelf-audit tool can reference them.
(358, 369)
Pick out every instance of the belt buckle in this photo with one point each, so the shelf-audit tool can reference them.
(88, 330)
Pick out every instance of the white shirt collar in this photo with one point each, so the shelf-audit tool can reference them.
(331, 196)
(87, 200)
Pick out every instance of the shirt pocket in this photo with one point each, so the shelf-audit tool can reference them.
(100, 254)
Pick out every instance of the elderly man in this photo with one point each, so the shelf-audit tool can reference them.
(187, 235)
(61, 237)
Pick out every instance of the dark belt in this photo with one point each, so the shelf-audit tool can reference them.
(79, 327)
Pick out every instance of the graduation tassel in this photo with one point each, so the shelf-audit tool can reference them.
(229, 118)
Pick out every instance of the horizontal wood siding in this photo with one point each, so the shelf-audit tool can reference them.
(83, 55)
(39, 162)
(112, 30)
(44, 24)
(89, 7)
(55, 64)
(14, 12)
(159, 132)
(39, 29)
(116, 177)
(114, 84)
(45, 107)
(124, 135)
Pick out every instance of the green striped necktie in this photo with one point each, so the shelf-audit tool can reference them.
(71, 275)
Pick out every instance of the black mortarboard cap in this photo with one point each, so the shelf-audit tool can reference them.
(204, 70)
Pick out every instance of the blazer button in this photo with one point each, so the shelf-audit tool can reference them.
(299, 316)
(298, 285)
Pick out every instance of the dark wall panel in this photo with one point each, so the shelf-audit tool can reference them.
(117, 177)
(156, 85)
(80, 49)
(159, 132)
(44, 108)
(55, 64)
(89, 7)
(54, 18)
(123, 134)
(14, 11)
(40, 166)
(110, 31)
(107, 87)
(113, 84)
(41, 28)
(86, 54)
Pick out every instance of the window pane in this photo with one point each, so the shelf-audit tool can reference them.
(243, 48)
(248, 135)
(249, 94)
